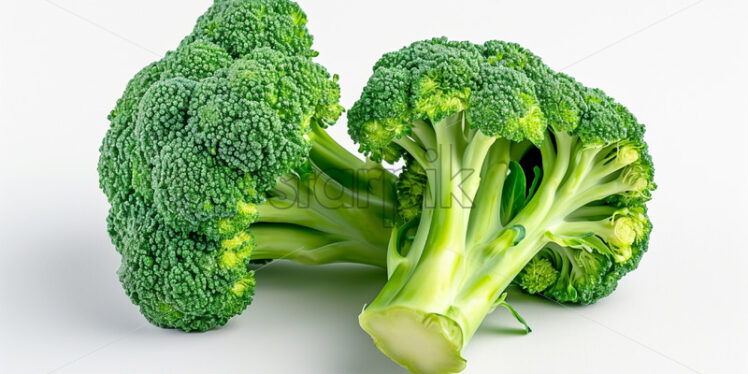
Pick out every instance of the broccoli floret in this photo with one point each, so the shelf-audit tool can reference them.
(473, 122)
(217, 157)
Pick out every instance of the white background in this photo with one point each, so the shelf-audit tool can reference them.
(680, 67)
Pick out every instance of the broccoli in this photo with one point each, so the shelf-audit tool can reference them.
(473, 122)
(217, 157)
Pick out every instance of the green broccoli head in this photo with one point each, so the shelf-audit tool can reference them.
(193, 158)
(474, 121)
(503, 92)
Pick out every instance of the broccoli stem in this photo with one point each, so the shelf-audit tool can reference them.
(311, 247)
(484, 216)
(490, 278)
(366, 224)
(448, 281)
(350, 171)
(342, 201)
(591, 212)
(425, 135)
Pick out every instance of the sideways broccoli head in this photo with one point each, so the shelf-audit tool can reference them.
(217, 156)
(473, 122)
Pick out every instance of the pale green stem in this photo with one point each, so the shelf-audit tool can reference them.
(587, 212)
(425, 133)
(484, 217)
(311, 247)
(414, 150)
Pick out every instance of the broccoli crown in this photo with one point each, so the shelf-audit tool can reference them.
(503, 89)
(196, 141)
(506, 92)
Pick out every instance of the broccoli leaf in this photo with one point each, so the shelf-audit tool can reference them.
(513, 198)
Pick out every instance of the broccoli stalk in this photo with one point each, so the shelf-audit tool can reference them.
(342, 213)
(472, 119)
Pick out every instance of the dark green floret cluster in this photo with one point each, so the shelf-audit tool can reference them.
(515, 173)
(212, 151)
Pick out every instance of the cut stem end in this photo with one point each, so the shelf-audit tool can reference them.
(424, 343)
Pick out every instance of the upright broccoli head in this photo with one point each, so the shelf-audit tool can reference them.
(217, 156)
(474, 121)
